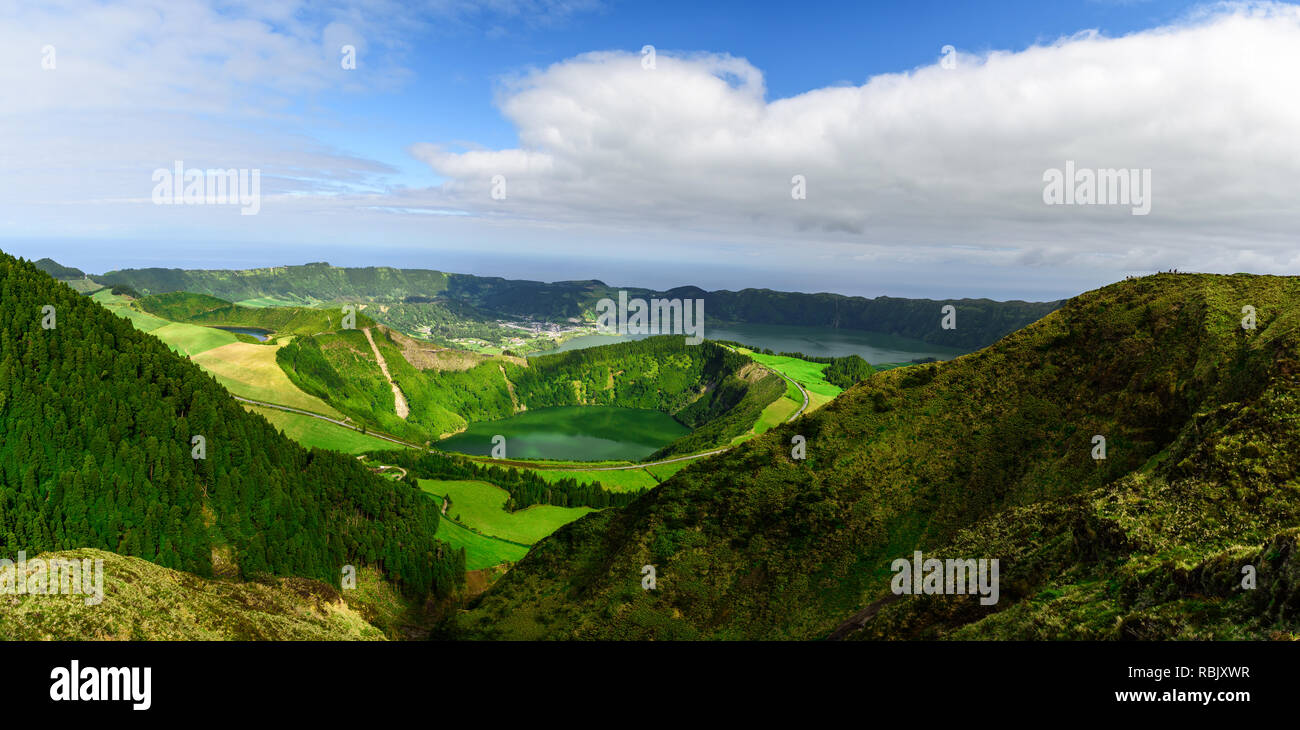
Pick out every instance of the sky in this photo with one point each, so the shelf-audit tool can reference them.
(869, 148)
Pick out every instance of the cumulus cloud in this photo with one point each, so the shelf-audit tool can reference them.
(937, 159)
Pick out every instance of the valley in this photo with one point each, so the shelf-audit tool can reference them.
(569, 418)
(532, 462)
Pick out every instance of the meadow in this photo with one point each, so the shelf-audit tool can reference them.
(481, 506)
(251, 371)
(313, 432)
(480, 551)
(621, 480)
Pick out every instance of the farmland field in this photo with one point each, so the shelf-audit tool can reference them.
(191, 339)
(480, 505)
(251, 371)
(480, 551)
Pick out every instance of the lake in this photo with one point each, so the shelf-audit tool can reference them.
(261, 334)
(873, 347)
(578, 433)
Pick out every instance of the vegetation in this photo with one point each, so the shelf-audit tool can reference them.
(524, 486)
(147, 602)
(845, 372)
(251, 371)
(315, 433)
(716, 392)
(57, 270)
(213, 312)
(986, 456)
(481, 506)
(98, 451)
(480, 550)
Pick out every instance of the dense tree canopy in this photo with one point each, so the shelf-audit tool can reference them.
(98, 429)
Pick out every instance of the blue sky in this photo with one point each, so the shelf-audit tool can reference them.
(923, 178)
(798, 47)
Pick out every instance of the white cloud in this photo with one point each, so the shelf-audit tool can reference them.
(945, 161)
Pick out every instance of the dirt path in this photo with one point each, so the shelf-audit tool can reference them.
(858, 620)
(399, 400)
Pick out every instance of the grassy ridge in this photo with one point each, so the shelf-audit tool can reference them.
(146, 602)
(989, 455)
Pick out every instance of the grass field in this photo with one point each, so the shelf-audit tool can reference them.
(664, 471)
(480, 551)
(480, 505)
(251, 371)
(121, 306)
(622, 480)
(186, 339)
(191, 339)
(807, 374)
(310, 431)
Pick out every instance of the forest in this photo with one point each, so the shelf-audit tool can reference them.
(109, 440)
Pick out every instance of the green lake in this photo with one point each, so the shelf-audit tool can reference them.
(578, 433)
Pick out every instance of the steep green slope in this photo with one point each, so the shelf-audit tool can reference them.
(97, 427)
(979, 321)
(991, 456)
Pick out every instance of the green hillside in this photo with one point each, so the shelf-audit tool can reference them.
(986, 456)
(98, 420)
(57, 270)
(210, 311)
(716, 392)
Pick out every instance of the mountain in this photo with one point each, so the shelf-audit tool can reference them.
(57, 270)
(988, 456)
(108, 440)
(979, 321)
